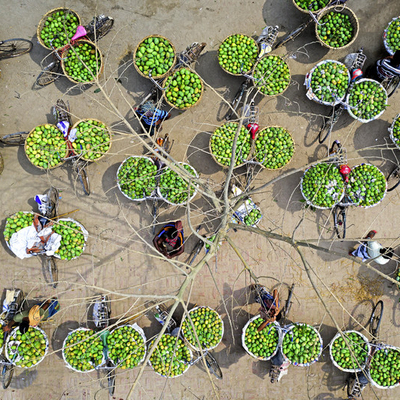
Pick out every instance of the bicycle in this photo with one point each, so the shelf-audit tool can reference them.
(199, 246)
(354, 61)
(358, 381)
(94, 31)
(313, 17)
(13, 303)
(278, 366)
(101, 317)
(161, 316)
(48, 207)
(62, 113)
(13, 139)
(391, 85)
(265, 40)
(338, 156)
(14, 47)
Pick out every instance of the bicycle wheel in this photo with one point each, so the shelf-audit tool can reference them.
(339, 220)
(7, 373)
(376, 318)
(235, 102)
(49, 74)
(15, 47)
(155, 215)
(15, 139)
(213, 366)
(393, 179)
(289, 302)
(104, 26)
(292, 35)
(83, 178)
(53, 271)
(392, 85)
(54, 196)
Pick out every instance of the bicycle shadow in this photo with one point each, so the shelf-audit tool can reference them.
(304, 47)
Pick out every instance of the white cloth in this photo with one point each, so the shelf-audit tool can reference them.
(28, 237)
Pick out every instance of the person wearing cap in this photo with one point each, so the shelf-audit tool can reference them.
(373, 250)
(38, 313)
(170, 240)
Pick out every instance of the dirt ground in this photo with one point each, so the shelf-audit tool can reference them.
(118, 257)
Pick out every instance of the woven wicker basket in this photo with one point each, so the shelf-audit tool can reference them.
(25, 146)
(353, 20)
(65, 54)
(175, 106)
(283, 166)
(228, 72)
(303, 10)
(109, 135)
(214, 158)
(258, 90)
(153, 76)
(44, 19)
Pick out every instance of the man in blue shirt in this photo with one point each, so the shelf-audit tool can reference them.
(151, 117)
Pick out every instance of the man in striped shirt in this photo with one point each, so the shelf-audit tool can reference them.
(151, 117)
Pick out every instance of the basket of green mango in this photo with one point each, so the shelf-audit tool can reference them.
(57, 27)
(46, 147)
(183, 89)
(16, 222)
(310, 5)
(271, 75)
(82, 350)
(349, 355)
(74, 237)
(302, 345)
(154, 56)
(237, 54)
(261, 345)
(337, 27)
(367, 100)
(384, 369)
(93, 139)
(394, 131)
(391, 36)
(26, 350)
(82, 62)
(327, 82)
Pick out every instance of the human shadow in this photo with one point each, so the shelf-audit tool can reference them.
(24, 379)
(198, 155)
(287, 194)
(60, 333)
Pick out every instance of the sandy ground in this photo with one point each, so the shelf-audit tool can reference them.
(118, 257)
